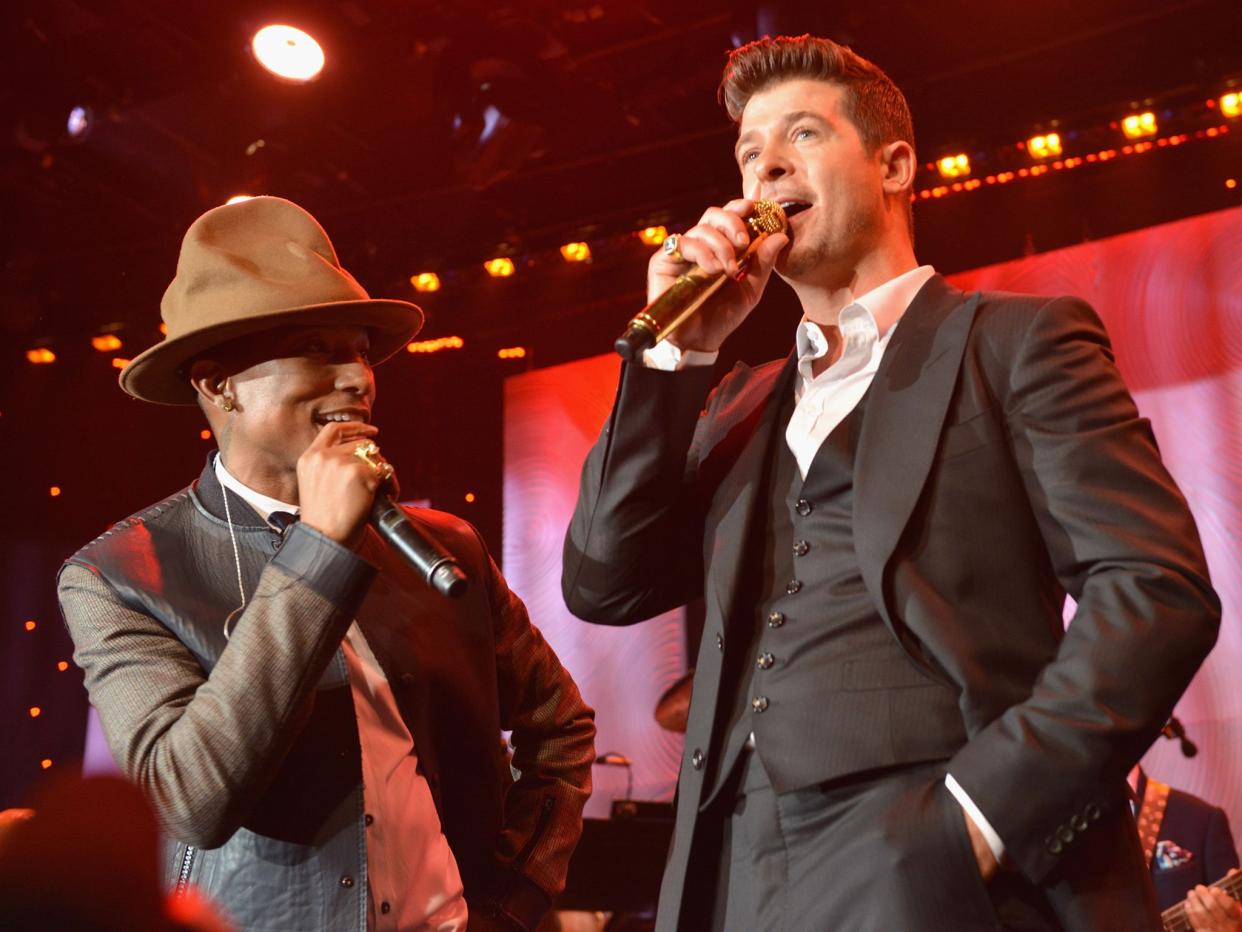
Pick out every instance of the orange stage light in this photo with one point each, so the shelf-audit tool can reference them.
(1230, 104)
(425, 281)
(512, 352)
(31, 624)
(119, 362)
(62, 665)
(500, 267)
(1042, 147)
(436, 345)
(204, 435)
(470, 496)
(106, 342)
(45, 763)
(288, 53)
(40, 355)
(1231, 183)
(954, 166)
(576, 252)
(1138, 125)
(35, 711)
(653, 236)
(54, 491)
(164, 329)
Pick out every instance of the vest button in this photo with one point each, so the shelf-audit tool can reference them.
(775, 619)
(793, 586)
(765, 661)
(696, 759)
(347, 881)
(759, 703)
(803, 507)
(801, 548)
(719, 642)
(1053, 845)
(1066, 834)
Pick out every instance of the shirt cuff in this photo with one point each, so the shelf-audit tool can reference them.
(670, 357)
(976, 816)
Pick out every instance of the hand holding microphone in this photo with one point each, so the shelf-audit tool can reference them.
(689, 289)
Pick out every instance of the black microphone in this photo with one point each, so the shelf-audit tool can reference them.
(431, 560)
(690, 291)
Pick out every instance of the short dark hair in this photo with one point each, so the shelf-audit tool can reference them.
(873, 103)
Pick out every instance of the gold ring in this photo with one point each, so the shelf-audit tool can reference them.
(369, 453)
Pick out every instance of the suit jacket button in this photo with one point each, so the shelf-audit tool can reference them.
(1078, 823)
(1053, 845)
(793, 586)
(347, 881)
(801, 548)
(719, 642)
(775, 619)
(696, 759)
(1066, 834)
(765, 661)
(759, 703)
(803, 507)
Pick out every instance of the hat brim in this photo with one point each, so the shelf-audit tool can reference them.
(158, 375)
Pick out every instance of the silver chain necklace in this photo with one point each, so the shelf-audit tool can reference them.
(237, 562)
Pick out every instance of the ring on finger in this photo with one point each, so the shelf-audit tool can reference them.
(368, 452)
(672, 247)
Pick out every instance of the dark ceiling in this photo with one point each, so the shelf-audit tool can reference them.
(610, 109)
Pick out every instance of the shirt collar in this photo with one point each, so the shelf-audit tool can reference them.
(263, 504)
(874, 313)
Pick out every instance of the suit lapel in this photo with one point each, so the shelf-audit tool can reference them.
(905, 415)
(741, 455)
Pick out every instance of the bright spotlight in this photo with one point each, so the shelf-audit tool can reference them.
(79, 122)
(288, 53)
(425, 281)
(1042, 147)
(1138, 125)
(954, 166)
(500, 267)
(576, 252)
(1231, 104)
(653, 236)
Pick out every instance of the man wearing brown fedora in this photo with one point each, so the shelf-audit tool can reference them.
(317, 730)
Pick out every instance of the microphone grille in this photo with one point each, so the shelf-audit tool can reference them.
(768, 218)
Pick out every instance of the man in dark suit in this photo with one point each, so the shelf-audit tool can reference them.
(317, 730)
(891, 729)
(1188, 846)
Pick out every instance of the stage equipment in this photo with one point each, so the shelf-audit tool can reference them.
(690, 291)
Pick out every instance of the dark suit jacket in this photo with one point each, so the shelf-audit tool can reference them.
(1202, 831)
(1001, 464)
(247, 748)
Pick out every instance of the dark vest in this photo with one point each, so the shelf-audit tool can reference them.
(820, 680)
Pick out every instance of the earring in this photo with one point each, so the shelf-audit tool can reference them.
(228, 404)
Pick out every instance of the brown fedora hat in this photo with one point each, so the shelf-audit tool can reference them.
(249, 267)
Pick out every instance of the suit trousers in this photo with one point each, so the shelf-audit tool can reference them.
(885, 852)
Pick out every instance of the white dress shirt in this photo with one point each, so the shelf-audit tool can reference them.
(413, 884)
(822, 402)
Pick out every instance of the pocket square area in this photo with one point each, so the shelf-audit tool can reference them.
(1170, 854)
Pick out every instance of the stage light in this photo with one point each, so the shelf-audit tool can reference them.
(1138, 125)
(500, 267)
(54, 491)
(62, 665)
(164, 329)
(238, 198)
(576, 252)
(425, 281)
(512, 352)
(436, 345)
(1042, 147)
(653, 236)
(31, 624)
(106, 342)
(35, 711)
(45, 763)
(1231, 183)
(954, 166)
(120, 362)
(40, 356)
(79, 123)
(1231, 104)
(288, 53)
(204, 435)
(470, 496)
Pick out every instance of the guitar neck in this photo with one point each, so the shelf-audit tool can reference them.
(1174, 918)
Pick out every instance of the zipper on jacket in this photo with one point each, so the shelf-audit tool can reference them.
(545, 813)
(183, 875)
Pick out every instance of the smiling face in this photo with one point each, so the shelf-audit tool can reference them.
(285, 385)
(795, 143)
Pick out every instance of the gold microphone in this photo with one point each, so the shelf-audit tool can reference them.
(691, 290)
